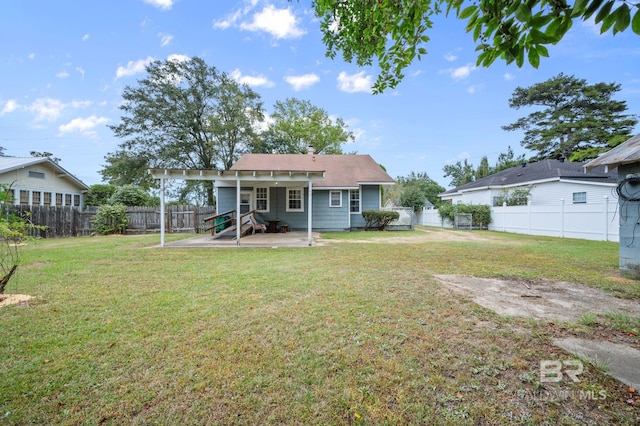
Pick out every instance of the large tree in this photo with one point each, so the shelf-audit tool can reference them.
(296, 124)
(418, 187)
(394, 32)
(460, 173)
(574, 119)
(184, 114)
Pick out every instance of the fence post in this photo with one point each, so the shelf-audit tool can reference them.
(561, 217)
(529, 205)
(606, 218)
(504, 216)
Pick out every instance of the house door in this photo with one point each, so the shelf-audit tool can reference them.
(245, 201)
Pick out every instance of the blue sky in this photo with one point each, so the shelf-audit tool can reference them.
(65, 64)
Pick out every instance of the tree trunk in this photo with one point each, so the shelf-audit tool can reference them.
(5, 280)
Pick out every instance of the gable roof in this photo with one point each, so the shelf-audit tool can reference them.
(341, 171)
(625, 153)
(9, 164)
(539, 171)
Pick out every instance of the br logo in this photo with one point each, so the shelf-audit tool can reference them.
(552, 370)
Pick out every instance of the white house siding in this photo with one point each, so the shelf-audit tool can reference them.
(549, 193)
(19, 180)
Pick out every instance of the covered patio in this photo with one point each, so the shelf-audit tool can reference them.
(237, 179)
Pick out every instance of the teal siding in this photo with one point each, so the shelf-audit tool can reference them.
(325, 218)
(370, 200)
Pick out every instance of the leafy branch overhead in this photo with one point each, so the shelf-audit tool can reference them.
(395, 31)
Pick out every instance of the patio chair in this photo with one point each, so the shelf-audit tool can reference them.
(261, 227)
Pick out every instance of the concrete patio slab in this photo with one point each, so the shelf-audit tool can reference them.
(620, 361)
(275, 240)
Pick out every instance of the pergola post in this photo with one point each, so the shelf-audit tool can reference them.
(162, 213)
(310, 213)
(238, 220)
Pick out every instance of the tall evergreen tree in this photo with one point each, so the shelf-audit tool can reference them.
(575, 118)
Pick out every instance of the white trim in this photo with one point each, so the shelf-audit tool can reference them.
(359, 201)
(255, 199)
(339, 199)
(295, 188)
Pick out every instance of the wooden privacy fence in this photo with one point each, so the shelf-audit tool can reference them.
(72, 222)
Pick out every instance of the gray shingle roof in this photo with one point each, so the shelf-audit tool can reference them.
(541, 170)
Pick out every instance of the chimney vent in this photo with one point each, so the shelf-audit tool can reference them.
(310, 150)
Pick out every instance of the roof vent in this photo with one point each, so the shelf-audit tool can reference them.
(523, 164)
(310, 150)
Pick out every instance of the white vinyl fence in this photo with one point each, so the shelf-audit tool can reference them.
(588, 221)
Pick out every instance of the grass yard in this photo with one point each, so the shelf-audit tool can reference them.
(353, 332)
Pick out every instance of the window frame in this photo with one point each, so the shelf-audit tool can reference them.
(289, 199)
(359, 199)
(267, 199)
(581, 199)
(339, 199)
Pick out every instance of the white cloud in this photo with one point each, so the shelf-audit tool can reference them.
(85, 37)
(160, 4)
(460, 73)
(133, 67)
(509, 76)
(9, 106)
(85, 126)
(354, 83)
(62, 74)
(299, 82)
(230, 20)
(280, 23)
(253, 81)
(178, 58)
(165, 39)
(450, 57)
(32, 55)
(46, 109)
(81, 71)
(472, 89)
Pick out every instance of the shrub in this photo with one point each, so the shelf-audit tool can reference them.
(480, 213)
(99, 194)
(131, 195)
(379, 219)
(110, 219)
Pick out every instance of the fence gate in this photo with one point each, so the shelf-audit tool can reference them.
(463, 221)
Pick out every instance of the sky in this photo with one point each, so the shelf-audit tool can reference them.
(64, 66)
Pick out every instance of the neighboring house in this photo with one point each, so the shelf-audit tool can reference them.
(548, 182)
(626, 159)
(40, 181)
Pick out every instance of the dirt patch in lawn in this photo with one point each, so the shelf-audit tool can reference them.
(14, 299)
(543, 300)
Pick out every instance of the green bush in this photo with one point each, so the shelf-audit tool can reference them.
(379, 219)
(132, 195)
(110, 219)
(99, 194)
(480, 213)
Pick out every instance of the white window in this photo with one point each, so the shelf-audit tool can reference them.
(262, 199)
(335, 198)
(294, 200)
(354, 201)
(245, 202)
(579, 197)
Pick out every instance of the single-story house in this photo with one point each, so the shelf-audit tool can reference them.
(319, 192)
(40, 181)
(547, 181)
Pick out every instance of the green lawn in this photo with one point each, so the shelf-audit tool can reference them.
(347, 333)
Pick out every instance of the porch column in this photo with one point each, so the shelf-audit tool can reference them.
(238, 221)
(309, 213)
(162, 213)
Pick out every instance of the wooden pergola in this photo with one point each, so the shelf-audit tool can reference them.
(237, 178)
